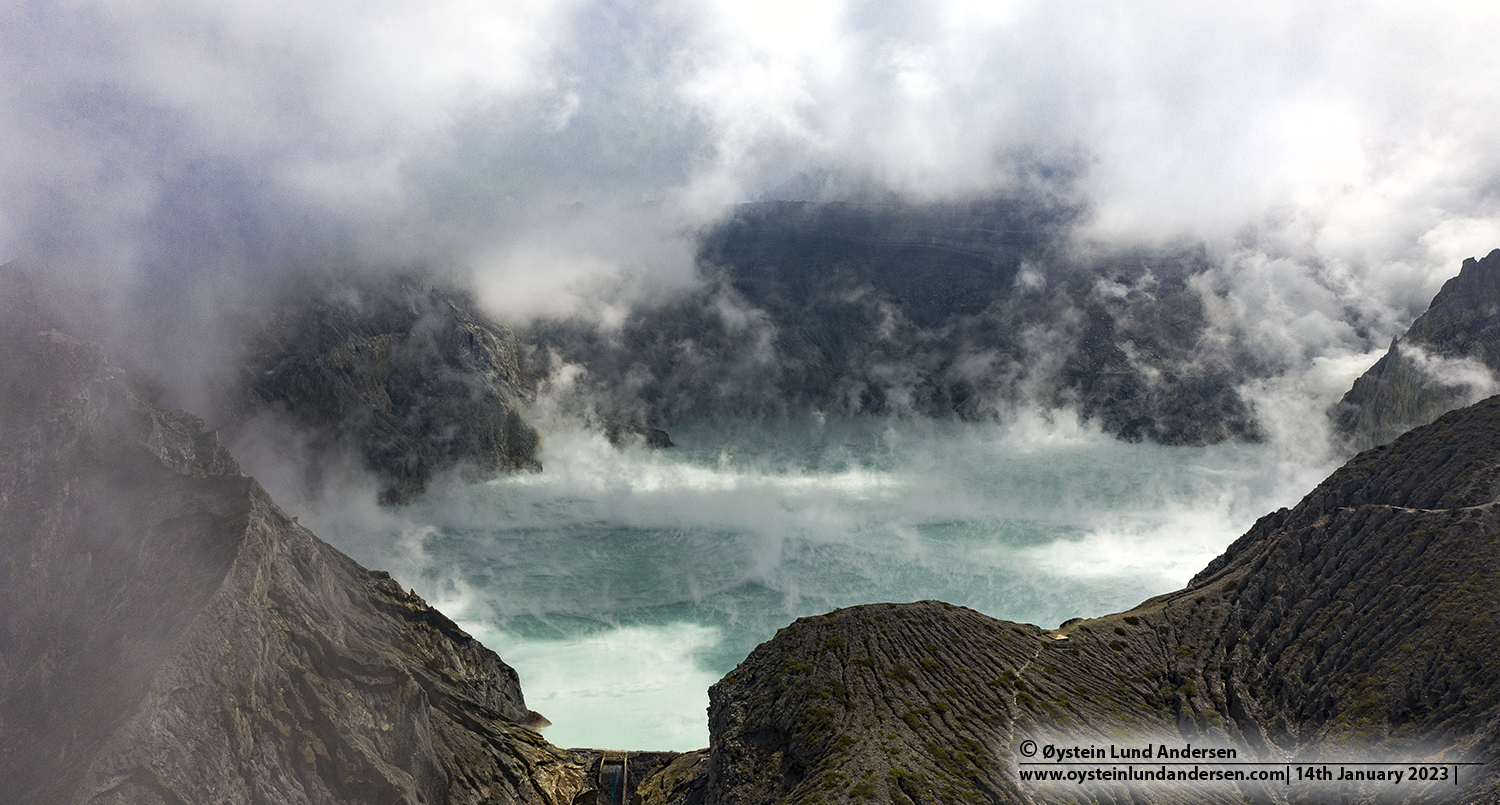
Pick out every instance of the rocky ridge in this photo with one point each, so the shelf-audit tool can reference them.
(1449, 357)
(169, 635)
(1360, 622)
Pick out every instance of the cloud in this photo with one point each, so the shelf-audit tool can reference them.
(166, 159)
(168, 167)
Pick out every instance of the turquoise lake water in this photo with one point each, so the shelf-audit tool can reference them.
(622, 582)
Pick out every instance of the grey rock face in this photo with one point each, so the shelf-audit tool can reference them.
(1448, 358)
(406, 374)
(654, 438)
(168, 635)
(954, 310)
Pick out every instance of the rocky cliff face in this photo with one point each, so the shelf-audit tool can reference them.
(168, 635)
(1363, 620)
(942, 310)
(1449, 357)
(405, 374)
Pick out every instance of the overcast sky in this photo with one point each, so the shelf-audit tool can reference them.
(197, 150)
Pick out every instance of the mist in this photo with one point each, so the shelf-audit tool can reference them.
(165, 161)
(1299, 180)
(622, 582)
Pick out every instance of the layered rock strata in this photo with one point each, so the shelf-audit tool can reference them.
(1361, 623)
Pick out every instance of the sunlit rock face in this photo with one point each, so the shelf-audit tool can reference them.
(1449, 357)
(947, 310)
(1358, 624)
(401, 372)
(167, 634)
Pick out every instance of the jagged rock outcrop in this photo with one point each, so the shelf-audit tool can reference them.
(168, 635)
(1449, 357)
(404, 373)
(942, 310)
(1365, 620)
(654, 438)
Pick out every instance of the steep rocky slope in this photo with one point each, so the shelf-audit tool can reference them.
(1449, 357)
(1365, 620)
(168, 635)
(401, 371)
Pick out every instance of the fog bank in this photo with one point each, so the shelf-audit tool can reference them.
(169, 162)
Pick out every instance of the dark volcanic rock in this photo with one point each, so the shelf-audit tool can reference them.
(655, 438)
(406, 374)
(168, 635)
(945, 310)
(1448, 358)
(1364, 621)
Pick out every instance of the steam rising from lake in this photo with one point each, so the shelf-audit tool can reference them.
(172, 168)
(621, 583)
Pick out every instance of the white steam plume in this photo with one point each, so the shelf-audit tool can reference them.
(163, 160)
